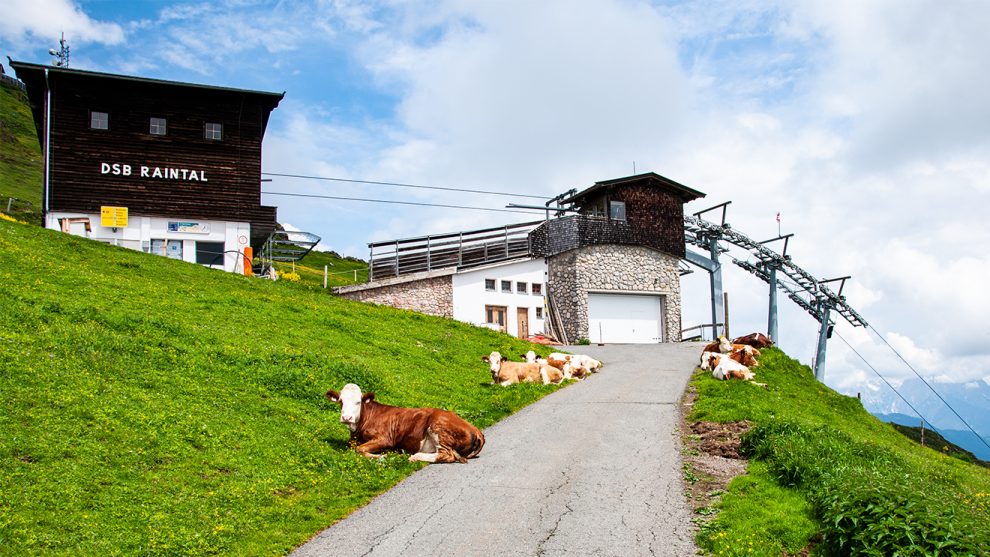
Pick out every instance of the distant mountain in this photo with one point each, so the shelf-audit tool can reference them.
(970, 400)
(963, 439)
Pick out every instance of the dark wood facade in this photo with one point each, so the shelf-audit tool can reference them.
(227, 181)
(654, 217)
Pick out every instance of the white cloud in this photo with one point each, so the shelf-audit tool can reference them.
(509, 98)
(25, 21)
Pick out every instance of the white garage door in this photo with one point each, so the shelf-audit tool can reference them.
(624, 318)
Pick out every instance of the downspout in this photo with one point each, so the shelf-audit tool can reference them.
(48, 148)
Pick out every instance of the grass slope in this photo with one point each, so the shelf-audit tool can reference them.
(20, 156)
(933, 439)
(156, 407)
(834, 476)
(342, 270)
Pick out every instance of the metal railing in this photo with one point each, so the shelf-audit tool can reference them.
(459, 249)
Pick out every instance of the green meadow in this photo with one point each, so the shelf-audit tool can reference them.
(157, 407)
(826, 476)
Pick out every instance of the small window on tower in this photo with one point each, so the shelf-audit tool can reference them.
(99, 120)
(490, 285)
(157, 126)
(214, 131)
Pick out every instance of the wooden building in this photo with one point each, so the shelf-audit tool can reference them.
(608, 271)
(165, 167)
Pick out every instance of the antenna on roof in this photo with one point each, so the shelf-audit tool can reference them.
(62, 54)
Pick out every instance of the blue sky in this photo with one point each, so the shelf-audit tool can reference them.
(865, 124)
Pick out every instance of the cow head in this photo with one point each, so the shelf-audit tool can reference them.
(724, 345)
(530, 356)
(494, 361)
(350, 399)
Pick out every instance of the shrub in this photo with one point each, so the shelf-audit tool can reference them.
(865, 496)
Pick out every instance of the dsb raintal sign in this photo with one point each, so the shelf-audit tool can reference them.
(155, 172)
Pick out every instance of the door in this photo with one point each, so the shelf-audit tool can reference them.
(625, 318)
(522, 318)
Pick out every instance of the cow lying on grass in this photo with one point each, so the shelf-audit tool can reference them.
(724, 367)
(429, 434)
(730, 360)
(507, 373)
(756, 340)
(573, 366)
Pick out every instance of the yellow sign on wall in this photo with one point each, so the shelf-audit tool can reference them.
(115, 217)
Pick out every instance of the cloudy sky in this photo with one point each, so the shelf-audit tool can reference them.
(866, 125)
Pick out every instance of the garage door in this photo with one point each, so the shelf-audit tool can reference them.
(624, 318)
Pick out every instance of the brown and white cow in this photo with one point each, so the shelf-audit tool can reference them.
(756, 340)
(507, 373)
(724, 367)
(723, 346)
(428, 434)
(574, 366)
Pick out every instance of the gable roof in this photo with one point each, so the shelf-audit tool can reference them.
(651, 178)
(31, 70)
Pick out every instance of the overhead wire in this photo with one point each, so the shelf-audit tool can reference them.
(896, 392)
(401, 185)
(978, 436)
(310, 195)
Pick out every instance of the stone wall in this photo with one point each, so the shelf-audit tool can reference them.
(628, 269)
(430, 295)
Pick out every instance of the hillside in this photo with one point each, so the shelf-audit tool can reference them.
(340, 270)
(947, 439)
(20, 157)
(825, 475)
(158, 407)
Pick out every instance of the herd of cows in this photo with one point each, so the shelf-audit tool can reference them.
(733, 360)
(435, 435)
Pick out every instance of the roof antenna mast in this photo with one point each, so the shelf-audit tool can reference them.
(62, 54)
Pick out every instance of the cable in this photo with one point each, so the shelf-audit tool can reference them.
(882, 377)
(978, 436)
(396, 202)
(400, 185)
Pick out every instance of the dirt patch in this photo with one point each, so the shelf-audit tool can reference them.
(710, 457)
(719, 439)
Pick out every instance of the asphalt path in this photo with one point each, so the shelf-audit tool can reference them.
(592, 469)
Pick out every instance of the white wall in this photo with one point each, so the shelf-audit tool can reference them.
(470, 296)
(140, 231)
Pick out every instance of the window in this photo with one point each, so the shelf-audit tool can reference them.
(507, 286)
(495, 315)
(209, 253)
(537, 289)
(490, 285)
(214, 131)
(99, 120)
(520, 288)
(169, 248)
(617, 210)
(157, 126)
(539, 313)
